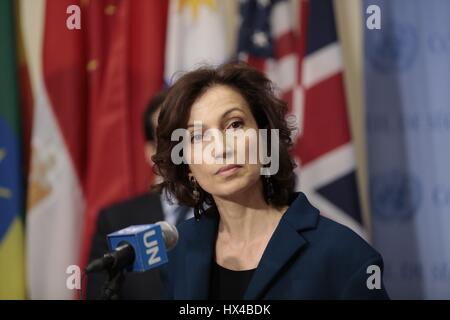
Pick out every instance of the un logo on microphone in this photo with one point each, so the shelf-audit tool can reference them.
(392, 49)
(395, 195)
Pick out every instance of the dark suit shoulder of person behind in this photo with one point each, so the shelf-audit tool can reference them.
(143, 209)
(308, 257)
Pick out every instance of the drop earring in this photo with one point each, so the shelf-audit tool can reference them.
(269, 191)
(198, 210)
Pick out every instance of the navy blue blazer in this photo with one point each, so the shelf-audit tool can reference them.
(308, 257)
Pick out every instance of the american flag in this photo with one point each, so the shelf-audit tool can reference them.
(296, 45)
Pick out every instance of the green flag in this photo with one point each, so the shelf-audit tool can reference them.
(12, 275)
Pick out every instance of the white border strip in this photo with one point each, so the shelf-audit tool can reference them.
(321, 64)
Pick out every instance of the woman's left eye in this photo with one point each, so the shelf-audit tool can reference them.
(236, 124)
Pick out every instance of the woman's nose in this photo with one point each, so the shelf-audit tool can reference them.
(223, 149)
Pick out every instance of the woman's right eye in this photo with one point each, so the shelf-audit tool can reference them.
(196, 138)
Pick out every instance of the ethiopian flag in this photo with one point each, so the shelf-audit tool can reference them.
(12, 282)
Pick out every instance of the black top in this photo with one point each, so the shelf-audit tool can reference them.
(228, 284)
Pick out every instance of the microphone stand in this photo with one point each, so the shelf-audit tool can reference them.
(112, 286)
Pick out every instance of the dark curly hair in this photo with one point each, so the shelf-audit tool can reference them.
(268, 111)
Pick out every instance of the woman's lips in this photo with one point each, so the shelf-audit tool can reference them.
(229, 169)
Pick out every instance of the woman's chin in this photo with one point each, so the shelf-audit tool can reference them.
(233, 187)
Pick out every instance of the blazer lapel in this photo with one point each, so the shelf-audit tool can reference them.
(286, 241)
(200, 257)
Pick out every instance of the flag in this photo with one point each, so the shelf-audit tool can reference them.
(12, 271)
(87, 138)
(302, 56)
(55, 203)
(196, 36)
(125, 72)
(407, 71)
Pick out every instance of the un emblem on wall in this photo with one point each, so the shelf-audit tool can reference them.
(395, 195)
(393, 48)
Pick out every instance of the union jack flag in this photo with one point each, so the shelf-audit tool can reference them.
(296, 45)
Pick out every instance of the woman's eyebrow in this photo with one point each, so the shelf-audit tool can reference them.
(231, 110)
(223, 116)
(192, 126)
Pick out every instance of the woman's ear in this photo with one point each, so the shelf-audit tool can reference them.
(150, 150)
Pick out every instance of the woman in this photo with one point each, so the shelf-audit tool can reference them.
(257, 238)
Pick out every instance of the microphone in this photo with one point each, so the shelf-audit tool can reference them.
(137, 248)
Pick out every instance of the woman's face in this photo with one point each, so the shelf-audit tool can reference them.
(222, 108)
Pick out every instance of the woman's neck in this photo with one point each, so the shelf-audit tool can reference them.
(247, 217)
